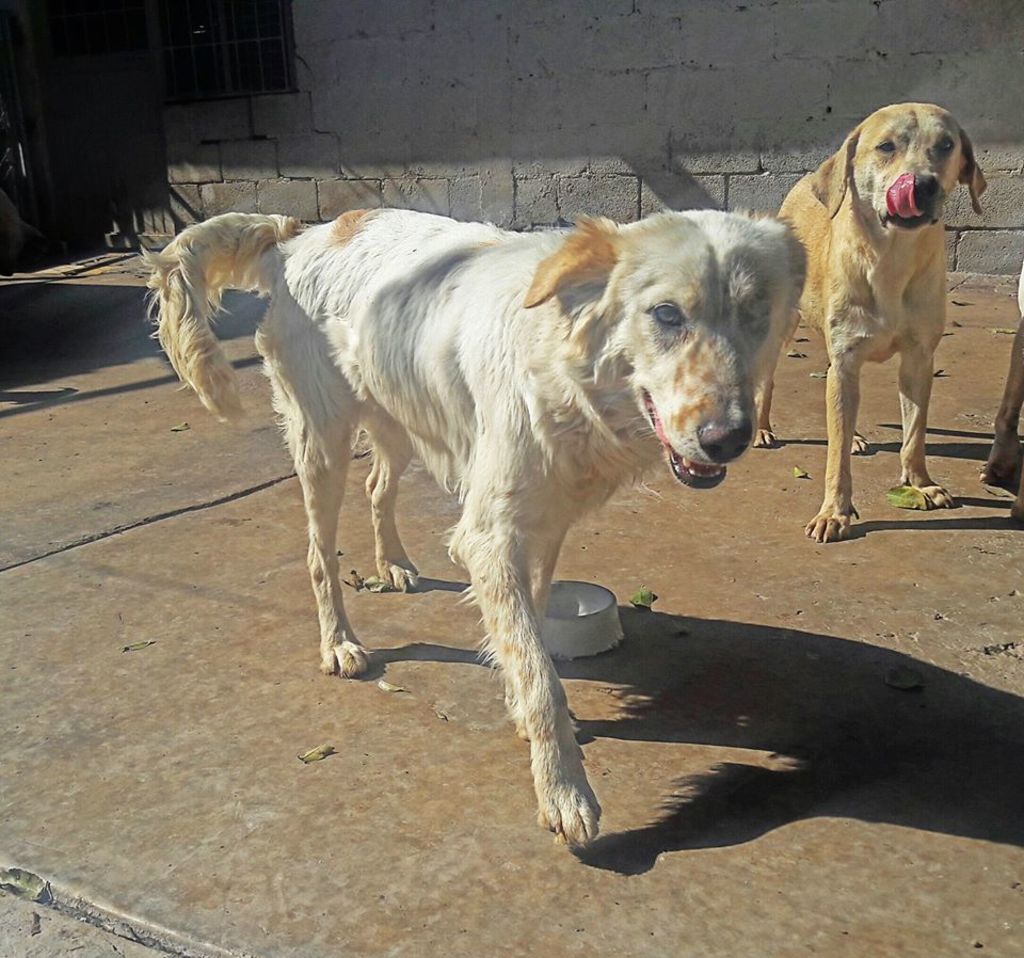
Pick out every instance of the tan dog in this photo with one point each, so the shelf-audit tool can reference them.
(871, 219)
(1004, 462)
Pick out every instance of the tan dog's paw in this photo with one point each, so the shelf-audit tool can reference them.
(400, 574)
(860, 446)
(765, 439)
(569, 809)
(937, 497)
(351, 658)
(830, 525)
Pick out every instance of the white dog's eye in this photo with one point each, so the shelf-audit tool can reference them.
(887, 146)
(668, 314)
(945, 144)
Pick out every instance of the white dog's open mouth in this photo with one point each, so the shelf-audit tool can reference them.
(697, 475)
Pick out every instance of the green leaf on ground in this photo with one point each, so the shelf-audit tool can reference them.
(819, 375)
(24, 884)
(317, 754)
(799, 473)
(907, 497)
(1005, 331)
(181, 427)
(904, 679)
(796, 354)
(643, 598)
(135, 646)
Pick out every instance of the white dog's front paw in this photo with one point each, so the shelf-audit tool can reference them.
(569, 808)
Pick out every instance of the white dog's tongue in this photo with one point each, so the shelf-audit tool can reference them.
(899, 200)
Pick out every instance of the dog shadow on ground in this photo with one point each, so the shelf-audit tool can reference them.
(947, 757)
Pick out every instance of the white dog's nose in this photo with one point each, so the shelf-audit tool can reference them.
(723, 441)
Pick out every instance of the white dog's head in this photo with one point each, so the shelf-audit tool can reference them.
(696, 306)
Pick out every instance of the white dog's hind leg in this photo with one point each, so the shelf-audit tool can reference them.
(500, 573)
(392, 452)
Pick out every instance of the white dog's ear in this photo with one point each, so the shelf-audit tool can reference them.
(970, 172)
(588, 255)
(831, 180)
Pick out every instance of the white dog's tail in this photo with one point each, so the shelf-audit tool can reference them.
(233, 251)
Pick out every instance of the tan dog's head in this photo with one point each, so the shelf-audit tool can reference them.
(900, 165)
(692, 308)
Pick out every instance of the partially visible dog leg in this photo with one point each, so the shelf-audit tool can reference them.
(392, 453)
(1004, 461)
(492, 550)
(764, 437)
(915, 379)
(842, 398)
(321, 447)
(542, 568)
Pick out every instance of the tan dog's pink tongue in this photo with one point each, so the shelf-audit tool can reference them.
(899, 200)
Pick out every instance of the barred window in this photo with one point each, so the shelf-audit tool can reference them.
(217, 48)
(96, 27)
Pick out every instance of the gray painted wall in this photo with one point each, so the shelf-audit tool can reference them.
(526, 112)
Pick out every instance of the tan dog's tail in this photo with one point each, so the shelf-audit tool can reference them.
(190, 275)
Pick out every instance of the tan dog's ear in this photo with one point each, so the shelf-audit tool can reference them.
(588, 255)
(831, 180)
(970, 172)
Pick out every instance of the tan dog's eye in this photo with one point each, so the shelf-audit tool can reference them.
(886, 146)
(668, 314)
(945, 144)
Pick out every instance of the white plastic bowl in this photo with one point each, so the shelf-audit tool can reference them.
(582, 619)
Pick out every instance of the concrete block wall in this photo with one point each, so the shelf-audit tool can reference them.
(534, 112)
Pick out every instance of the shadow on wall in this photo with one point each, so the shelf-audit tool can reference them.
(944, 758)
(663, 90)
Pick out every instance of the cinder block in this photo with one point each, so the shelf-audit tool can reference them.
(185, 204)
(826, 30)
(952, 237)
(291, 197)
(314, 155)
(416, 193)
(536, 203)
(614, 196)
(990, 251)
(466, 199)
(795, 159)
(338, 196)
(249, 159)
(218, 119)
(282, 114)
(695, 160)
(1001, 158)
(199, 163)
(682, 193)
(238, 197)
(1002, 202)
(764, 192)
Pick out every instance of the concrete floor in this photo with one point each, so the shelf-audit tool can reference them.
(765, 792)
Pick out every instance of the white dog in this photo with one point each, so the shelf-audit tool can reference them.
(531, 373)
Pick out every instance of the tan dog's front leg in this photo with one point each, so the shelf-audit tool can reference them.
(1004, 461)
(842, 397)
(501, 576)
(916, 374)
(764, 437)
